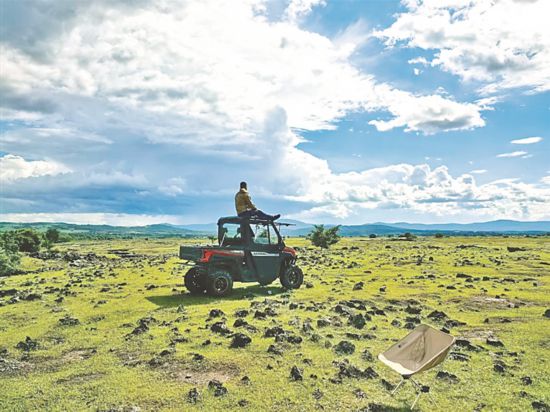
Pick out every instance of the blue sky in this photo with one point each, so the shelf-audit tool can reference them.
(333, 111)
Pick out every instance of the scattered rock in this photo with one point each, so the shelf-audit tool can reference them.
(526, 380)
(466, 344)
(276, 350)
(494, 342)
(512, 249)
(540, 406)
(413, 310)
(447, 376)
(461, 357)
(344, 348)
(69, 321)
(437, 315)
(546, 313)
(317, 394)
(216, 313)
(241, 313)
(219, 389)
(358, 286)
(296, 374)
(221, 328)
(242, 403)
(240, 340)
(358, 321)
(499, 366)
(27, 345)
(366, 355)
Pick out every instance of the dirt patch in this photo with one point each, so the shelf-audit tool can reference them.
(78, 354)
(201, 376)
(13, 366)
(477, 334)
(490, 303)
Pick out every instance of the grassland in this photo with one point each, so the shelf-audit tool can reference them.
(116, 331)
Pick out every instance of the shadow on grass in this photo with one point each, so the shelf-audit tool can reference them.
(186, 299)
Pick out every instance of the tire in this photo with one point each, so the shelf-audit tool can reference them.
(194, 282)
(220, 283)
(292, 277)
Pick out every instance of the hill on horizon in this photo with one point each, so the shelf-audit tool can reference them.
(298, 229)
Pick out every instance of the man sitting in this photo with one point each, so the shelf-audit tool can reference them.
(245, 207)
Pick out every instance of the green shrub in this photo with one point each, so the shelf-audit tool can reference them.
(9, 256)
(52, 235)
(28, 240)
(322, 237)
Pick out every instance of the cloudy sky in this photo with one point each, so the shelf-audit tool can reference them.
(135, 112)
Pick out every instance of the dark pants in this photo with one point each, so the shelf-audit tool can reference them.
(256, 213)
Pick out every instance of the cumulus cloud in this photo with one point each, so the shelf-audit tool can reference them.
(503, 44)
(13, 168)
(421, 189)
(527, 140)
(300, 8)
(153, 105)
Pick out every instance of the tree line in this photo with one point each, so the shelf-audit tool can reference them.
(15, 242)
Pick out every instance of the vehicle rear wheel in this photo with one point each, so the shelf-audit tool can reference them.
(220, 283)
(292, 277)
(194, 282)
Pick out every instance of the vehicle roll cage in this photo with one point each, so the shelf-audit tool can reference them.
(245, 223)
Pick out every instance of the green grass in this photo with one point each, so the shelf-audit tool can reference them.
(99, 365)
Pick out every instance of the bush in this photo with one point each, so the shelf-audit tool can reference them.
(322, 237)
(28, 240)
(9, 256)
(408, 236)
(439, 235)
(372, 236)
(52, 235)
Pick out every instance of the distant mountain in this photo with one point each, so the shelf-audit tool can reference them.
(492, 226)
(298, 228)
(162, 229)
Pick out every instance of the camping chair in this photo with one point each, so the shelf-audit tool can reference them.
(422, 349)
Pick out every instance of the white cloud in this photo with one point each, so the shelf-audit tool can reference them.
(527, 140)
(504, 44)
(423, 190)
(176, 100)
(223, 74)
(114, 219)
(478, 171)
(517, 153)
(299, 8)
(13, 168)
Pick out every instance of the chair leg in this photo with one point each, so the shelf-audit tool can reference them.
(398, 386)
(416, 400)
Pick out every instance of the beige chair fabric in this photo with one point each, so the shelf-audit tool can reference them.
(422, 349)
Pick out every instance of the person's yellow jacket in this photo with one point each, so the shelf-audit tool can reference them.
(243, 202)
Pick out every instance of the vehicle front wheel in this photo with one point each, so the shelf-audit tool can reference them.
(220, 283)
(194, 282)
(292, 277)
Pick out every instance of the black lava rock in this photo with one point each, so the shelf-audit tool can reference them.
(240, 340)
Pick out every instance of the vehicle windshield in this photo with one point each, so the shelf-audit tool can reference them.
(230, 234)
(264, 234)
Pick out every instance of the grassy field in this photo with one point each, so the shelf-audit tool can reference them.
(108, 326)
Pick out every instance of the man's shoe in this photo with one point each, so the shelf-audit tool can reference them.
(275, 217)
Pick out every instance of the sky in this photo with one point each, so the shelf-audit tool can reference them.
(152, 111)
